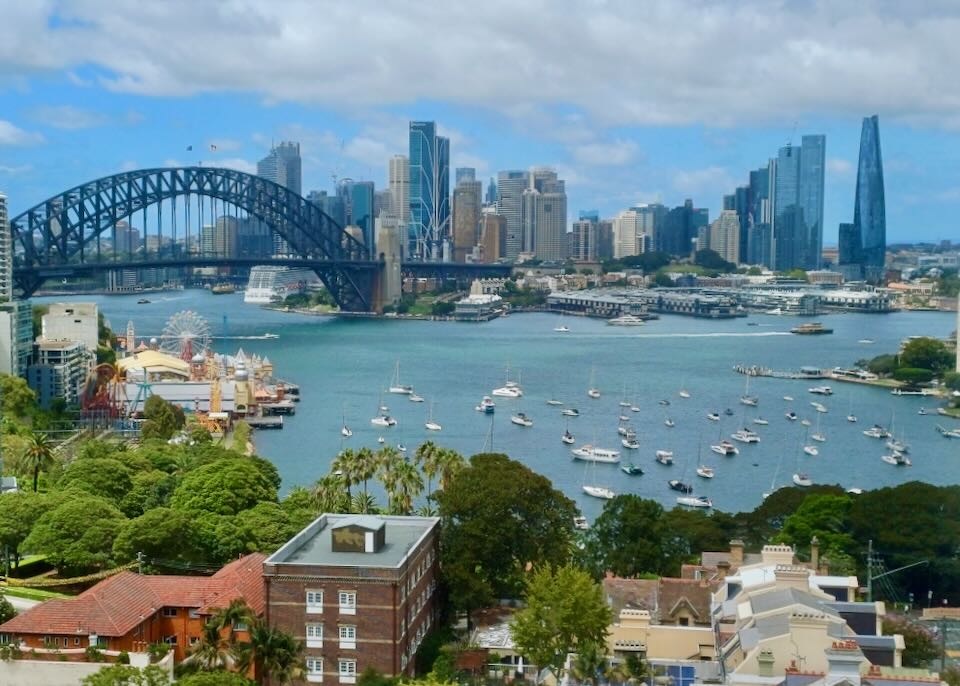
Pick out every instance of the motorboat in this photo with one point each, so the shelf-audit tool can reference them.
(922, 411)
(678, 485)
(395, 385)
(630, 443)
(570, 412)
(669, 423)
(384, 408)
(695, 501)
(383, 420)
(705, 471)
(555, 402)
(520, 419)
(624, 418)
(143, 301)
(401, 447)
(750, 400)
(589, 453)
(599, 492)
(568, 438)
(775, 311)
(760, 421)
(487, 406)
(664, 402)
(745, 436)
(713, 417)
(806, 422)
(725, 448)
(811, 450)
(821, 390)
(788, 398)
(897, 459)
(593, 393)
(623, 430)
(632, 469)
(948, 433)
(625, 320)
(819, 407)
(854, 490)
(852, 418)
(580, 523)
(664, 457)
(802, 479)
(563, 328)
(684, 393)
(876, 431)
(792, 416)
(414, 398)
(623, 403)
(634, 408)
(818, 437)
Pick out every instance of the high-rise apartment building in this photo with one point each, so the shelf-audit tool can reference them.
(6, 252)
(429, 191)
(398, 181)
(544, 204)
(797, 231)
(725, 236)
(466, 215)
(282, 166)
(221, 238)
(584, 246)
(126, 238)
(493, 232)
(869, 209)
(635, 230)
(510, 187)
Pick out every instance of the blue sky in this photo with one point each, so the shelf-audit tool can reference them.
(630, 102)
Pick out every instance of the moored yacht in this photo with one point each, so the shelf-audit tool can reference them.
(760, 421)
(599, 492)
(570, 412)
(487, 406)
(568, 438)
(725, 448)
(414, 398)
(705, 471)
(876, 431)
(695, 501)
(678, 485)
(811, 450)
(802, 479)
(897, 459)
(625, 320)
(632, 469)
(589, 453)
(396, 386)
(821, 390)
(664, 457)
(383, 420)
(713, 417)
(520, 419)
(745, 436)
(630, 443)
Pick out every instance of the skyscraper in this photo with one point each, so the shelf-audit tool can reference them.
(491, 196)
(466, 215)
(429, 191)
(585, 239)
(797, 232)
(282, 166)
(869, 210)
(361, 194)
(466, 174)
(510, 187)
(626, 229)
(678, 228)
(6, 252)
(545, 215)
(725, 236)
(398, 180)
(493, 228)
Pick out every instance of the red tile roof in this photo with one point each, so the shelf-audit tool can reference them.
(119, 603)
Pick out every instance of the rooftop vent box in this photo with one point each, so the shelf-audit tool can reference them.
(359, 535)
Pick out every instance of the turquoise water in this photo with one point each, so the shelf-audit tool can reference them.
(346, 363)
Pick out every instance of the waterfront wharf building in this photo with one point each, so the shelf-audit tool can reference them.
(359, 590)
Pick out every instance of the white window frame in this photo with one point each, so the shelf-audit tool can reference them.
(314, 635)
(348, 636)
(314, 601)
(314, 672)
(348, 602)
(348, 675)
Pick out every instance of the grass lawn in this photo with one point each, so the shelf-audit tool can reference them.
(30, 593)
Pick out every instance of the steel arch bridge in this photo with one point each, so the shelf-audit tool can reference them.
(62, 236)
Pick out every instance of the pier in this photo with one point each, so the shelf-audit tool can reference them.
(269, 422)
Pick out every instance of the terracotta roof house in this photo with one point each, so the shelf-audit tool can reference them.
(130, 611)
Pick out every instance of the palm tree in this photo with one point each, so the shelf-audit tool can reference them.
(388, 458)
(212, 652)
(449, 463)
(426, 458)
(227, 618)
(366, 466)
(409, 486)
(272, 653)
(589, 664)
(345, 464)
(329, 494)
(38, 455)
(363, 503)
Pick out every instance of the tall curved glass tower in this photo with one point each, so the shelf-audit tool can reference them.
(869, 211)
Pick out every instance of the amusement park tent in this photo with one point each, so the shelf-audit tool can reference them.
(156, 364)
(190, 395)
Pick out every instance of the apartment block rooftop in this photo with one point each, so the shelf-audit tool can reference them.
(336, 540)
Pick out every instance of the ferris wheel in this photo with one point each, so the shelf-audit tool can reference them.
(185, 335)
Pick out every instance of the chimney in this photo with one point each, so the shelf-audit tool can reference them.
(844, 660)
(736, 553)
(723, 569)
(792, 576)
(814, 554)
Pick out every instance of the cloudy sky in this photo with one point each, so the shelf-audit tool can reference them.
(630, 101)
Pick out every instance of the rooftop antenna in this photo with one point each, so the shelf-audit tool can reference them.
(792, 132)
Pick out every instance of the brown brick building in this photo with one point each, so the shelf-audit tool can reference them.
(359, 590)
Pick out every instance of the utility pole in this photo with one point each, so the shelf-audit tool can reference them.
(871, 577)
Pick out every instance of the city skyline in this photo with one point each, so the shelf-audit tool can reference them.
(81, 113)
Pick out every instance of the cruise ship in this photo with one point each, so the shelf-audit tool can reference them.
(271, 284)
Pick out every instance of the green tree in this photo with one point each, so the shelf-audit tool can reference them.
(225, 486)
(214, 679)
(298, 507)
(77, 535)
(221, 538)
(565, 609)
(161, 533)
(212, 651)
(163, 418)
(427, 458)
(275, 655)
(347, 466)
(449, 464)
(952, 380)
(226, 619)
(884, 365)
(18, 514)
(241, 436)
(38, 312)
(589, 664)
(920, 646)
(442, 309)
(148, 490)
(38, 456)
(125, 675)
(408, 485)
(7, 611)
(498, 517)
(711, 259)
(268, 525)
(628, 538)
(105, 477)
(926, 353)
(18, 399)
(687, 533)
(913, 375)
(330, 494)
(663, 280)
(826, 517)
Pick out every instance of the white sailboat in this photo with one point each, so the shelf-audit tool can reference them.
(594, 490)
(567, 437)
(510, 389)
(396, 386)
(746, 398)
(817, 435)
(414, 398)
(593, 391)
(345, 430)
(801, 478)
(703, 471)
(431, 425)
(383, 419)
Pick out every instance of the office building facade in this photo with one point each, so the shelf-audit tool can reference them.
(16, 336)
(493, 232)
(510, 187)
(6, 252)
(869, 209)
(725, 236)
(398, 182)
(584, 240)
(358, 590)
(797, 231)
(283, 166)
(678, 228)
(544, 205)
(429, 191)
(466, 215)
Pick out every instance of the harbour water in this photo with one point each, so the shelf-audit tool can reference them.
(345, 365)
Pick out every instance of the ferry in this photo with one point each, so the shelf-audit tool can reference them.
(810, 329)
(589, 453)
(272, 284)
(625, 320)
(223, 289)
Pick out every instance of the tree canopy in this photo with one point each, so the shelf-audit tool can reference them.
(224, 487)
(77, 535)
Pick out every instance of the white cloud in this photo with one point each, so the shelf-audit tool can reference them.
(68, 117)
(14, 135)
(613, 154)
(839, 167)
(709, 181)
(662, 62)
(15, 170)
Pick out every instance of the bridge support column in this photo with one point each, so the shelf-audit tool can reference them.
(388, 282)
